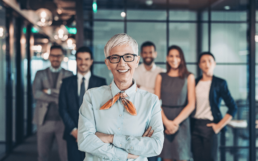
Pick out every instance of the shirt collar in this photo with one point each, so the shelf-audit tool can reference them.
(86, 76)
(152, 69)
(55, 70)
(130, 91)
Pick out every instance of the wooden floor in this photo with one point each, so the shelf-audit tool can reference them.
(27, 151)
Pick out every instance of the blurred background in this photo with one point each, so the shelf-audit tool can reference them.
(227, 28)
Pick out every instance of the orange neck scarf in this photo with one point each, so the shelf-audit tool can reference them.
(128, 105)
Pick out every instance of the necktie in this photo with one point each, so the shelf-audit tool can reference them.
(82, 91)
(128, 105)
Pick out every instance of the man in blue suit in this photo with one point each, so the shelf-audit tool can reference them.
(71, 98)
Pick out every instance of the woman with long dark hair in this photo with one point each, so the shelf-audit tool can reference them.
(176, 90)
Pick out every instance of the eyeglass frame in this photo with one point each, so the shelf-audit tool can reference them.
(122, 56)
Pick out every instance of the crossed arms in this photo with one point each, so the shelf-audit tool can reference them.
(118, 147)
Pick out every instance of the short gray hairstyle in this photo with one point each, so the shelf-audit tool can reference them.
(120, 39)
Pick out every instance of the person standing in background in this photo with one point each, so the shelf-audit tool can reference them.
(46, 87)
(176, 89)
(207, 120)
(145, 75)
(71, 98)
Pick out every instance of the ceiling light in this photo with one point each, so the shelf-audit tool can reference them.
(59, 11)
(45, 56)
(227, 7)
(1, 31)
(123, 14)
(66, 59)
(149, 2)
(44, 17)
(37, 48)
(256, 38)
(56, 18)
(61, 33)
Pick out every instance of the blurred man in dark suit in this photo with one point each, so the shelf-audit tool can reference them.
(71, 98)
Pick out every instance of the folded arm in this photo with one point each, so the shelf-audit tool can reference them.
(38, 93)
(144, 146)
(88, 141)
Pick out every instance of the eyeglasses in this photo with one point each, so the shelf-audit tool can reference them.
(55, 56)
(116, 58)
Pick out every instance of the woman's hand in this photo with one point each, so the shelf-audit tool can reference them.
(216, 128)
(131, 156)
(148, 132)
(171, 127)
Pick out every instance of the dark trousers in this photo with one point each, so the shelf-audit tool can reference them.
(153, 158)
(204, 141)
(72, 149)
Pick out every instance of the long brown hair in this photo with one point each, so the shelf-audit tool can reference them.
(183, 72)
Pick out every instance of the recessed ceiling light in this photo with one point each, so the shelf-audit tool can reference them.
(149, 2)
(227, 7)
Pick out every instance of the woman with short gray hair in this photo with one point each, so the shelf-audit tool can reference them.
(120, 121)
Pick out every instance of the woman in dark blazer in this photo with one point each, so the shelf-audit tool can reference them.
(207, 120)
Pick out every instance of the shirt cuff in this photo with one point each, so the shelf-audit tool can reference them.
(120, 141)
(121, 154)
(73, 130)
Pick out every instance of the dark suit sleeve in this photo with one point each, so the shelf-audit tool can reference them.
(229, 101)
(37, 89)
(63, 108)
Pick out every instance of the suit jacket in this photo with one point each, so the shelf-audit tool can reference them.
(42, 81)
(219, 90)
(69, 101)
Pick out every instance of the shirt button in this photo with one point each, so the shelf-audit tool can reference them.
(119, 128)
(120, 145)
(120, 115)
(131, 147)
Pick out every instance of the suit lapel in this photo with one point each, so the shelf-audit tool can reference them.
(75, 89)
(50, 79)
(91, 82)
(59, 79)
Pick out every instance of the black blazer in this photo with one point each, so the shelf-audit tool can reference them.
(219, 90)
(69, 101)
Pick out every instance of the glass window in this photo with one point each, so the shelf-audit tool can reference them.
(184, 35)
(146, 14)
(103, 31)
(109, 14)
(101, 70)
(155, 32)
(236, 77)
(229, 42)
(229, 16)
(182, 15)
(2, 79)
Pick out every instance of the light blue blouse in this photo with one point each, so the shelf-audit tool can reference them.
(127, 129)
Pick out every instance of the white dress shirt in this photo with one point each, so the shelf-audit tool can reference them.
(79, 80)
(146, 79)
(203, 108)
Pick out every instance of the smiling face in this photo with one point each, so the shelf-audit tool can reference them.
(56, 57)
(207, 64)
(122, 71)
(84, 62)
(148, 54)
(174, 59)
